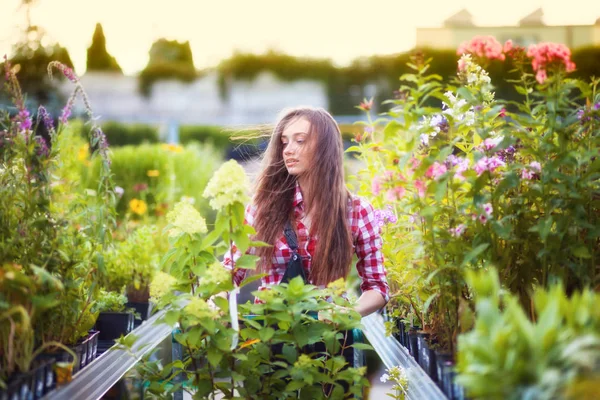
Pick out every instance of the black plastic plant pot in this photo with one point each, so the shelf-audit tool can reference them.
(401, 328)
(39, 375)
(143, 309)
(443, 363)
(47, 361)
(19, 387)
(92, 344)
(413, 340)
(81, 351)
(12, 390)
(422, 348)
(114, 324)
(432, 368)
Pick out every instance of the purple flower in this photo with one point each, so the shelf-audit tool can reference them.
(440, 123)
(66, 111)
(385, 216)
(46, 118)
(66, 71)
(508, 154)
(42, 149)
(23, 120)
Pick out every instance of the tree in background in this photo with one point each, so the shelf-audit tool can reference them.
(31, 57)
(98, 59)
(169, 59)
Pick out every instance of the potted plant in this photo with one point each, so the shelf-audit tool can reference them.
(114, 320)
(132, 264)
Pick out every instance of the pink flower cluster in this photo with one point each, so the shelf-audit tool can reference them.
(436, 170)
(486, 215)
(393, 194)
(488, 164)
(545, 55)
(531, 171)
(483, 47)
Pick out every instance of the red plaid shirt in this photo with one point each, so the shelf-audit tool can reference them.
(366, 241)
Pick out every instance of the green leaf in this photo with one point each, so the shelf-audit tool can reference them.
(582, 252)
(247, 261)
(294, 385)
(258, 243)
(210, 239)
(171, 317)
(362, 346)
(474, 253)
(214, 356)
(266, 334)
(392, 129)
(352, 149)
(242, 241)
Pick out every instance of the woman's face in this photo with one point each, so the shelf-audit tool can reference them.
(294, 139)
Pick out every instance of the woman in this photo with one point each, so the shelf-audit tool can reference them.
(302, 181)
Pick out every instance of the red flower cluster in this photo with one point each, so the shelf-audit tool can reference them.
(484, 47)
(546, 54)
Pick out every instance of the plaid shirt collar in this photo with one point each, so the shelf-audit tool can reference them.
(298, 200)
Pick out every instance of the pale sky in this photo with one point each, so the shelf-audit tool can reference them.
(338, 29)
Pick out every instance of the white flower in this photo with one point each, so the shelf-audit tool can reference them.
(384, 378)
(487, 207)
(185, 218)
(424, 139)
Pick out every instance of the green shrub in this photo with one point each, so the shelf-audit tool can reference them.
(216, 135)
(110, 302)
(180, 171)
(120, 134)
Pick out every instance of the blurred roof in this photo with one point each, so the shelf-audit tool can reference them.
(461, 18)
(535, 18)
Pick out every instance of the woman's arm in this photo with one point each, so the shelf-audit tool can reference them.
(370, 264)
(369, 302)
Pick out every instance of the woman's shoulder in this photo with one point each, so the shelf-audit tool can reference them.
(359, 205)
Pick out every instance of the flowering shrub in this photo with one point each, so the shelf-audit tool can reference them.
(477, 182)
(52, 236)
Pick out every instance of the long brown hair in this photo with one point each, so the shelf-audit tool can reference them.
(327, 201)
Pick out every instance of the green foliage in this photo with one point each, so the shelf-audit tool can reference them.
(218, 355)
(218, 136)
(176, 172)
(109, 302)
(477, 185)
(169, 59)
(133, 261)
(98, 58)
(507, 356)
(52, 233)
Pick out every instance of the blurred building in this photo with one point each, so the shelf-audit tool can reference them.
(203, 102)
(530, 29)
